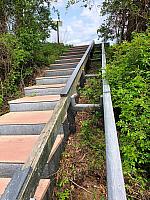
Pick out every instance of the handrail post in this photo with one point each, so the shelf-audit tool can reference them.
(115, 179)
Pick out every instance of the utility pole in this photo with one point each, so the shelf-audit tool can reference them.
(58, 23)
(58, 32)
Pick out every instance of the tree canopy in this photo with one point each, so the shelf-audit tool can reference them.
(25, 15)
(122, 17)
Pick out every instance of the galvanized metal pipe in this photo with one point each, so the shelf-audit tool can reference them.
(115, 180)
(83, 107)
(91, 76)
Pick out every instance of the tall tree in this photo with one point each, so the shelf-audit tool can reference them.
(123, 18)
(27, 14)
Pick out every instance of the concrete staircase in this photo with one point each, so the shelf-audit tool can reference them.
(21, 127)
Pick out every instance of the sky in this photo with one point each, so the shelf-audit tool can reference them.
(79, 24)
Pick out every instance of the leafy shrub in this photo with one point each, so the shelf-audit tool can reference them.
(21, 56)
(13, 59)
(128, 74)
(92, 90)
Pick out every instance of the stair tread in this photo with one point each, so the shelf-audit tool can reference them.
(85, 45)
(29, 117)
(16, 149)
(63, 59)
(46, 98)
(46, 86)
(52, 77)
(59, 64)
(39, 193)
(72, 56)
(75, 51)
(58, 70)
(78, 47)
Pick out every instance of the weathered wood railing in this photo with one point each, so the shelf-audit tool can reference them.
(115, 180)
(24, 182)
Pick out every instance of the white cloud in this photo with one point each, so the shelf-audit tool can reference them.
(80, 28)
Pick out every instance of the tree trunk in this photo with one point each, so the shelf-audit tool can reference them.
(3, 19)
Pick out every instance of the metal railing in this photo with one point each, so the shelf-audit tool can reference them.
(115, 180)
(78, 71)
(24, 182)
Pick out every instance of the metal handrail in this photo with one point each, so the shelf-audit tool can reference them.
(115, 179)
(78, 68)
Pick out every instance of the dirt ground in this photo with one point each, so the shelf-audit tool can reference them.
(79, 178)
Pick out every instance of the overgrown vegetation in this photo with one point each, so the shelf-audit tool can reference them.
(82, 169)
(24, 28)
(129, 75)
(92, 90)
(20, 60)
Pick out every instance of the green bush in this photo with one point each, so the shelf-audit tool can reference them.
(22, 55)
(13, 60)
(128, 74)
(92, 90)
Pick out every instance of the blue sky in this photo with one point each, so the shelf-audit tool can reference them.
(79, 24)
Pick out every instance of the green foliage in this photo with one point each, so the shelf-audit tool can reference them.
(128, 74)
(26, 16)
(20, 57)
(13, 57)
(92, 137)
(92, 90)
(63, 194)
(123, 18)
(48, 53)
(24, 27)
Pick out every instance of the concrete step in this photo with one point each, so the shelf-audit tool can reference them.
(27, 123)
(72, 56)
(59, 72)
(78, 48)
(47, 102)
(85, 45)
(68, 60)
(63, 66)
(40, 90)
(40, 193)
(74, 52)
(51, 80)
(16, 149)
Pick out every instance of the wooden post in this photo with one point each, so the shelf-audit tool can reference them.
(71, 119)
(82, 79)
(58, 32)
